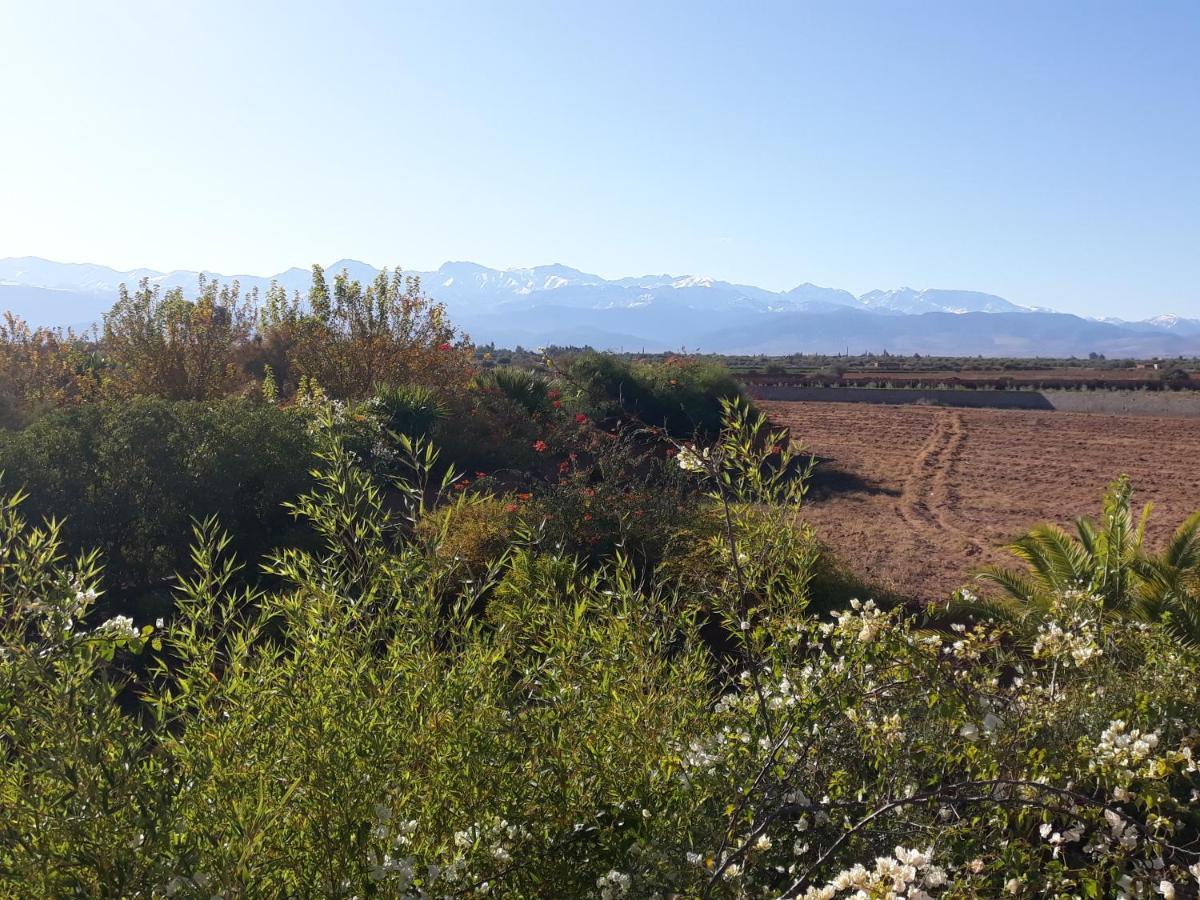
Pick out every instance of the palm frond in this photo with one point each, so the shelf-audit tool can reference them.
(1058, 560)
(1183, 550)
(1017, 585)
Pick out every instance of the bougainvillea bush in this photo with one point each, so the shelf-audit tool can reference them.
(387, 723)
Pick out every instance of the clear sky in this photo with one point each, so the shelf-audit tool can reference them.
(1045, 151)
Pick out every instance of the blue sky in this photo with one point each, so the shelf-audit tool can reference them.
(1047, 152)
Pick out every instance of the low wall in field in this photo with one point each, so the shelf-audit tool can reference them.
(1108, 402)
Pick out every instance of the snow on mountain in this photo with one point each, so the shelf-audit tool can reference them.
(560, 304)
(907, 300)
(1174, 324)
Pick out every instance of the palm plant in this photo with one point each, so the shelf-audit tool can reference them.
(526, 388)
(1106, 559)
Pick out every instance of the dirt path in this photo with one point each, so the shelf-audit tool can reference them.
(928, 496)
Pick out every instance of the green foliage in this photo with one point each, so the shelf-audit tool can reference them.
(1106, 559)
(164, 345)
(473, 532)
(411, 409)
(681, 394)
(526, 389)
(356, 337)
(128, 477)
(615, 493)
(380, 721)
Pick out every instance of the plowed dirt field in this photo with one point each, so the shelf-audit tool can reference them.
(915, 498)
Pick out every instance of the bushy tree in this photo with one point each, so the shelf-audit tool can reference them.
(354, 338)
(164, 345)
(42, 368)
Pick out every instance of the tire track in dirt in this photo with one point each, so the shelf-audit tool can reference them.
(927, 496)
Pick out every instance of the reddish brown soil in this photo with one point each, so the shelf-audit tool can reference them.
(916, 498)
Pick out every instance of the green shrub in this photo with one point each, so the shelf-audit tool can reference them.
(526, 389)
(363, 728)
(127, 478)
(614, 493)
(411, 409)
(681, 395)
(473, 532)
(488, 431)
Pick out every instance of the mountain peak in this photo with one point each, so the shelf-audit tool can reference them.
(552, 303)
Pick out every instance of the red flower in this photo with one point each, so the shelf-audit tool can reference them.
(557, 404)
(580, 418)
(540, 446)
(587, 517)
(510, 508)
(553, 395)
(445, 345)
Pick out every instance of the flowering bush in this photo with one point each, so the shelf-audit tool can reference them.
(380, 723)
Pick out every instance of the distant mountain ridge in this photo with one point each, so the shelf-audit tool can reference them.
(560, 304)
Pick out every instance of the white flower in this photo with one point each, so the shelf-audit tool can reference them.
(118, 627)
(690, 461)
(970, 731)
(1167, 890)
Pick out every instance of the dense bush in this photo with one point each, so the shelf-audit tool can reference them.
(42, 368)
(163, 345)
(473, 532)
(354, 338)
(681, 394)
(380, 723)
(614, 492)
(129, 477)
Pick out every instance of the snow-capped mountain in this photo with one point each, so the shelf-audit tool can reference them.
(560, 304)
(907, 300)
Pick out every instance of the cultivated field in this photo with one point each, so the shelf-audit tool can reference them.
(915, 498)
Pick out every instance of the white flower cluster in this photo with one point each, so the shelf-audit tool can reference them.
(1058, 838)
(691, 461)
(1074, 644)
(118, 627)
(905, 874)
(614, 884)
(862, 622)
(1124, 752)
(399, 871)
(494, 838)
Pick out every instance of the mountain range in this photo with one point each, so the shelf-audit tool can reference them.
(557, 304)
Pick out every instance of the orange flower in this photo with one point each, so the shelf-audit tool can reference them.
(540, 446)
